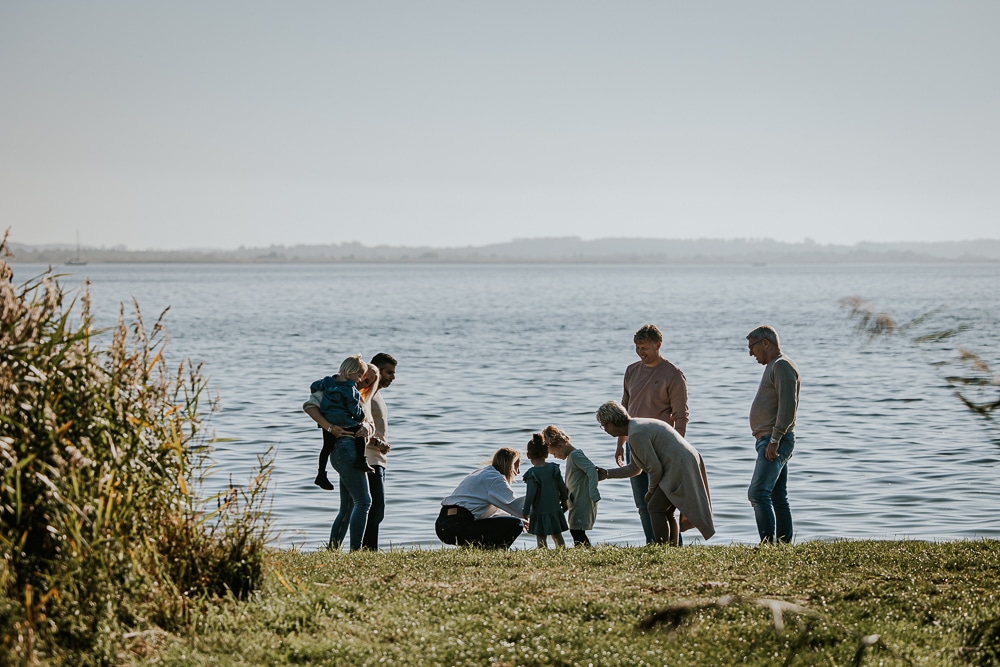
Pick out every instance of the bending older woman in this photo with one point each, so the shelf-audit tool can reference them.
(482, 510)
(677, 478)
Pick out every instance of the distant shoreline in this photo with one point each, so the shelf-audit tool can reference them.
(375, 262)
(542, 251)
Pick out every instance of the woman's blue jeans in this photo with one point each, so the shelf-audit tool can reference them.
(768, 492)
(355, 498)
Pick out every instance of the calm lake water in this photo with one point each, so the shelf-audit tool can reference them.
(489, 353)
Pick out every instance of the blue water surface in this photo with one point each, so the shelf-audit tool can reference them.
(489, 353)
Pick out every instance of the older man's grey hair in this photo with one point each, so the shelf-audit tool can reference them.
(612, 414)
(765, 332)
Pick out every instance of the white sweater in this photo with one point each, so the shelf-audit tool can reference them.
(485, 493)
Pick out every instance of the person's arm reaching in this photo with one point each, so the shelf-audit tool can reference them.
(620, 449)
(502, 496)
(679, 403)
(785, 381)
(312, 410)
(529, 497)
(631, 470)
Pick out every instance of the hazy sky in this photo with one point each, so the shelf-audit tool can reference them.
(219, 124)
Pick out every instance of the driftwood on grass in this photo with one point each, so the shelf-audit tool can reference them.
(672, 617)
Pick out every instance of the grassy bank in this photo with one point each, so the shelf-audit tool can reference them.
(810, 604)
(104, 530)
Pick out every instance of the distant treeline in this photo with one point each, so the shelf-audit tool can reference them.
(547, 250)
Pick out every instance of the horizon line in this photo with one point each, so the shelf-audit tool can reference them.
(121, 247)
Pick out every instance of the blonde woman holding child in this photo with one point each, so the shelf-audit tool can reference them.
(341, 406)
(581, 480)
(546, 496)
(345, 432)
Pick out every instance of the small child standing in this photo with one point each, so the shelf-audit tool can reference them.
(341, 406)
(546, 496)
(581, 479)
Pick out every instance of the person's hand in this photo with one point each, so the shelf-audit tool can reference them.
(620, 454)
(565, 505)
(337, 431)
(649, 496)
(602, 474)
(380, 444)
(771, 452)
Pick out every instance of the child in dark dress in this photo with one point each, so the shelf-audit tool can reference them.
(546, 496)
(341, 406)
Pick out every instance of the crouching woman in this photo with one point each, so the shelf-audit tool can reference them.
(482, 511)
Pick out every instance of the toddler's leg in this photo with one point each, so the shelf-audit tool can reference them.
(559, 541)
(541, 542)
(360, 462)
(324, 454)
(322, 481)
(580, 538)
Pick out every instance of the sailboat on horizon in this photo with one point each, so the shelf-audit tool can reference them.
(77, 260)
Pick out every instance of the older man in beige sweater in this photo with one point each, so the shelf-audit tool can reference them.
(772, 421)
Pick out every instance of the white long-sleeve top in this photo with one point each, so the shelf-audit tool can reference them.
(485, 493)
(379, 415)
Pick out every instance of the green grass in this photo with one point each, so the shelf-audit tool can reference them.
(929, 604)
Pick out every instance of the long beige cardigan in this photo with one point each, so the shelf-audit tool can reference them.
(673, 465)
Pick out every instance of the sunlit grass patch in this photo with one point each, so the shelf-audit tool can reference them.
(888, 603)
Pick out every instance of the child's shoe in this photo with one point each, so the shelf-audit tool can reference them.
(362, 465)
(322, 481)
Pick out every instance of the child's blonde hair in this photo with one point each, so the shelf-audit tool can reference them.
(536, 447)
(352, 366)
(555, 436)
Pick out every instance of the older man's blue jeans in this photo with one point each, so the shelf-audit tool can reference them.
(768, 492)
(640, 485)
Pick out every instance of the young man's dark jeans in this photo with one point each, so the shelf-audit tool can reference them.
(376, 485)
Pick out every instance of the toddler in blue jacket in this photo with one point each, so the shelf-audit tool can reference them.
(341, 406)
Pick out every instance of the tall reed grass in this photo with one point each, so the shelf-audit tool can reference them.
(973, 380)
(105, 531)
